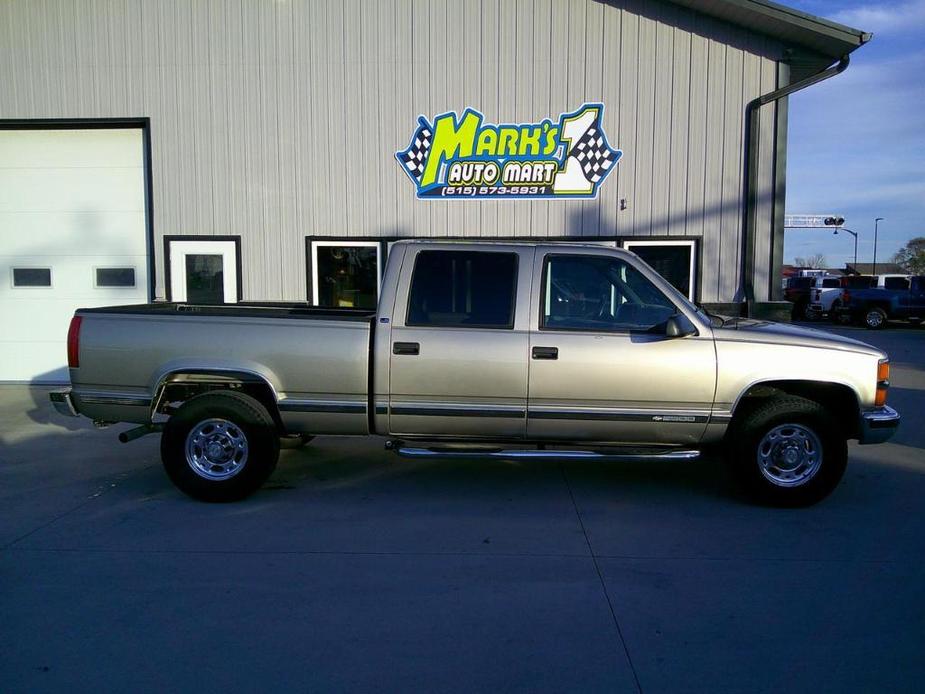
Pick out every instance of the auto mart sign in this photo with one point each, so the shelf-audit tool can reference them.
(463, 157)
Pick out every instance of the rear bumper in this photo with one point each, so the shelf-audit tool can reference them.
(63, 402)
(878, 425)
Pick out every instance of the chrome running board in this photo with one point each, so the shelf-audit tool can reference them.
(545, 454)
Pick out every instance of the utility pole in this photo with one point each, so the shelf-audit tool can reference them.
(876, 223)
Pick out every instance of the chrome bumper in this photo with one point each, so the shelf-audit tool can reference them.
(63, 402)
(878, 425)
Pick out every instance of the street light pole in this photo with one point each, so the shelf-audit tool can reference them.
(855, 235)
(876, 223)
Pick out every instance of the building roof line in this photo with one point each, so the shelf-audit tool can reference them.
(790, 26)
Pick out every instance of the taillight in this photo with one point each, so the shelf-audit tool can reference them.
(73, 342)
(883, 382)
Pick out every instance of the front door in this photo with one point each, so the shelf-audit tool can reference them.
(601, 367)
(458, 364)
(203, 272)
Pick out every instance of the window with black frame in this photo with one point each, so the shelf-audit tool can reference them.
(600, 294)
(346, 275)
(673, 260)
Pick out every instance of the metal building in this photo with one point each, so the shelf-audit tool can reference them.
(225, 150)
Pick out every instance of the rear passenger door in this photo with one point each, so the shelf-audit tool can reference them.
(458, 363)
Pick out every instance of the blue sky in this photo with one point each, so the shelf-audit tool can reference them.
(857, 141)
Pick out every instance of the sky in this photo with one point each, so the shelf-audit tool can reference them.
(856, 143)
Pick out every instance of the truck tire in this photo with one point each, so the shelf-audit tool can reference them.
(220, 446)
(788, 452)
(875, 318)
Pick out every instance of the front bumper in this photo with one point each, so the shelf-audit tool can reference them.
(63, 402)
(878, 425)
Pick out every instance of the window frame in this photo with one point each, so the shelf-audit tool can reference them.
(133, 285)
(312, 243)
(198, 238)
(541, 320)
(51, 277)
(628, 244)
(468, 326)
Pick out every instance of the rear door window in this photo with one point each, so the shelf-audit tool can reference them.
(466, 289)
(895, 283)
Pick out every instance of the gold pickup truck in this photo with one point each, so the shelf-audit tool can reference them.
(482, 349)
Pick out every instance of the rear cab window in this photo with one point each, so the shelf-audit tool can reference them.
(463, 289)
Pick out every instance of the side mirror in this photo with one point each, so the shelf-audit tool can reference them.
(679, 325)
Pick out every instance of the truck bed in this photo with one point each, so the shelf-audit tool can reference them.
(315, 360)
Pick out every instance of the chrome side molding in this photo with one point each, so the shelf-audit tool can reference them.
(544, 454)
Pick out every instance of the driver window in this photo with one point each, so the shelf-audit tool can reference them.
(586, 292)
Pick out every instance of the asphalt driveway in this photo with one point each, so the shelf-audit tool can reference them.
(354, 570)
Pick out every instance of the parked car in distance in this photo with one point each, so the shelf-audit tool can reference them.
(797, 292)
(900, 298)
(824, 291)
(513, 351)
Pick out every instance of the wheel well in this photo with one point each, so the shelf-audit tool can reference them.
(840, 400)
(178, 387)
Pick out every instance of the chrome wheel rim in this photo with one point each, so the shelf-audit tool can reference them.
(874, 319)
(216, 449)
(789, 455)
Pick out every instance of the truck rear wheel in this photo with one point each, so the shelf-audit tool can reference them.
(789, 452)
(220, 446)
(875, 318)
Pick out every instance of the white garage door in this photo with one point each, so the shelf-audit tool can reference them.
(72, 234)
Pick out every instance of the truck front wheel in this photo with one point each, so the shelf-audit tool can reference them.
(789, 452)
(220, 446)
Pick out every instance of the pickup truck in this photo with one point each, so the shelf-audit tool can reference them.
(513, 351)
(900, 299)
(822, 295)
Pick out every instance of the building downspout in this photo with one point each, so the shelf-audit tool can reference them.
(750, 215)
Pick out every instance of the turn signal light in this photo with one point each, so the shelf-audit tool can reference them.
(883, 382)
(73, 343)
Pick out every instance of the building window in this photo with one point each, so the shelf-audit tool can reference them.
(466, 289)
(346, 274)
(674, 260)
(600, 294)
(203, 271)
(115, 277)
(31, 276)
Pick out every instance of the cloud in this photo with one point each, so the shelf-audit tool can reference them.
(901, 17)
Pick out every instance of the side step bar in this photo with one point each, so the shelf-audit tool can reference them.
(545, 454)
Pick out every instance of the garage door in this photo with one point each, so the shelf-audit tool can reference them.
(72, 234)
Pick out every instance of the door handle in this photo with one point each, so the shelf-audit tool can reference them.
(545, 352)
(406, 348)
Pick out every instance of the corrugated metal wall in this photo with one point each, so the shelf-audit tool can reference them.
(277, 120)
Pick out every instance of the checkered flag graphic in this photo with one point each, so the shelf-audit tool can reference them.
(593, 153)
(414, 158)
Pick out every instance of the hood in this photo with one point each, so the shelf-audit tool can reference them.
(747, 330)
